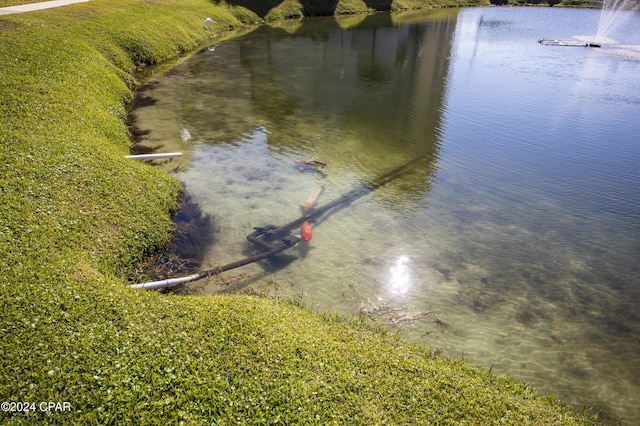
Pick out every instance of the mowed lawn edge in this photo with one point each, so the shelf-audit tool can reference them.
(77, 218)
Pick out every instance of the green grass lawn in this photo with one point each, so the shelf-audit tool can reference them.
(77, 218)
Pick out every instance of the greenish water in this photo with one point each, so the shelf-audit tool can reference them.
(518, 225)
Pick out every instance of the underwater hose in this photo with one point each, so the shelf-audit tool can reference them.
(172, 282)
(274, 239)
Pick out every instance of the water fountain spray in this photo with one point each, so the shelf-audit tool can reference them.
(614, 13)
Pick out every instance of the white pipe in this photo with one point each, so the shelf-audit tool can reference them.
(166, 283)
(152, 156)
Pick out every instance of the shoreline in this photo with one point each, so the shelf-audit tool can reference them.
(78, 218)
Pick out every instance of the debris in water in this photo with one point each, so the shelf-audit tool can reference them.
(185, 135)
(304, 165)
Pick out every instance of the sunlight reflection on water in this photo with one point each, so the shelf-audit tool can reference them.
(400, 276)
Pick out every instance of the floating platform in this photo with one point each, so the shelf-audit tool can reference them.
(567, 43)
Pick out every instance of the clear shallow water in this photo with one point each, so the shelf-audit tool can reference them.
(519, 225)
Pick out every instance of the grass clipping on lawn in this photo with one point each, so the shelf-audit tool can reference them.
(76, 218)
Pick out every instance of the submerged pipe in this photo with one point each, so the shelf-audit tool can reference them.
(172, 282)
(276, 239)
(153, 156)
(347, 198)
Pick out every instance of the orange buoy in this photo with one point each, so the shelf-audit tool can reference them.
(305, 231)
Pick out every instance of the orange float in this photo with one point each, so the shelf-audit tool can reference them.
(305, 231)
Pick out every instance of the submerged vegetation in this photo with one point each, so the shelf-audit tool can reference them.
(77, 219)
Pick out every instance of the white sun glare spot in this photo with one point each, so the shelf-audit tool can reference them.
(399, 276)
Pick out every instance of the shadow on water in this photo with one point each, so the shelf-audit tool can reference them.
(139, 137)
(372, 72)
(194, 233)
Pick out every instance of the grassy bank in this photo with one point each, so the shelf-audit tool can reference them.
(76, 218)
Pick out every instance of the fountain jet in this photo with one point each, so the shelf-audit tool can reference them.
(614, 13)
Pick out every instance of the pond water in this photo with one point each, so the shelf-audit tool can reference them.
(517, 222)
